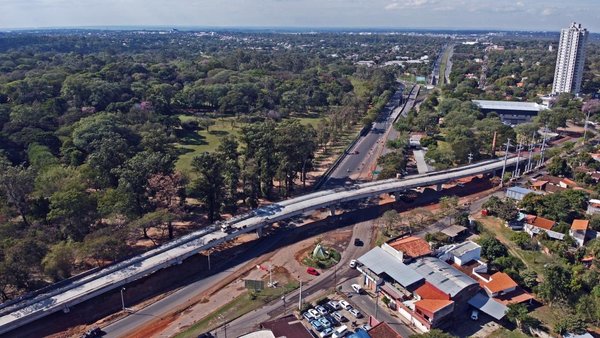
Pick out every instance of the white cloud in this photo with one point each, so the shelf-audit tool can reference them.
(404, 4)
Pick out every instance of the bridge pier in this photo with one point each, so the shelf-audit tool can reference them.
(66, 309)
(331, 211)
(259, 232)
(439, 187)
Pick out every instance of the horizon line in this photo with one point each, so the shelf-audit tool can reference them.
(275, 28)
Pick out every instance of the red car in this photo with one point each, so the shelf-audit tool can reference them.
(312, 271)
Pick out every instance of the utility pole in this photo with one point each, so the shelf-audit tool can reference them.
(335, 279)
(543, 148)
(284, 307)
(270, 276)
(505, 160)
(517, 171)
(300, 297)
(528, 166)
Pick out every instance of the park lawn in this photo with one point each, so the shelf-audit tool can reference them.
(238, 307)
(194, 144)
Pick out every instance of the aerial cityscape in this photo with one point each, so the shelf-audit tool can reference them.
(310, 169)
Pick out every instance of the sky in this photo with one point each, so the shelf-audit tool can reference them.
(537, 15)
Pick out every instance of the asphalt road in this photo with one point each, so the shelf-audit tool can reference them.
(317, 288)
(123, 327)
(354, 162)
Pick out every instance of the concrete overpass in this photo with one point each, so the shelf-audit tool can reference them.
(119, 274)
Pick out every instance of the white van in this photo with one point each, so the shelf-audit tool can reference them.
(340, 332)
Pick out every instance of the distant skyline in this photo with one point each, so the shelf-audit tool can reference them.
(535, 15)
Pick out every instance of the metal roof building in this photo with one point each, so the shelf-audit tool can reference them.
(488, 305)
(379, 261)
(442, 275)
(511, 112)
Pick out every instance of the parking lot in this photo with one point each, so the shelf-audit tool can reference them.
(334, 317)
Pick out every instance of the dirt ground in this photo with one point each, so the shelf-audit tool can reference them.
(285, 265)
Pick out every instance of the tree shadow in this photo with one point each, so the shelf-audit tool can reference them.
(218, 132)
(188, 137)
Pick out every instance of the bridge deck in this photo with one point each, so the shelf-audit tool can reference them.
(176, 251)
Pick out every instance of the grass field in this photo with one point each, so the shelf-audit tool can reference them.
(505, 333)
(534, 260)
(238, 307)
(192, 144)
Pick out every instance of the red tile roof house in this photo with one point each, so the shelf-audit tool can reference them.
(578, 231)
(384, 330)
(535, 224)
(411, 248)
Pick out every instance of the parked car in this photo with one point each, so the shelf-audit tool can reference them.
(357, 288)
(307, 316)
(355, 313)
(317, 325)
(332, 320)
(325, 322)
(353, 263)
(328, 307)
(339, 317)
(314, 313)
(340, 332)
(312, 271)
(365, 327)
(321, 310)
(345, 305)
(334, 304)
(475, 315)
(326, 333)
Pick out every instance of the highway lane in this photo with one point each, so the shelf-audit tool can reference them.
(400, 112)
(364, 151)
(124, 326)
(175, 252)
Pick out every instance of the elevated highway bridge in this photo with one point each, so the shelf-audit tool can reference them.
(17, 314)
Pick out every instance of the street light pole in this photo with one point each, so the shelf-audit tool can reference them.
(284, 307)
(122, 299)
(300, 297)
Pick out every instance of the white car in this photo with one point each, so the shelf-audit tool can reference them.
(321, 310)
(357, 288)
(353, 263)
(334, 304)
(355, 313)
(345, 305)
(314, 313)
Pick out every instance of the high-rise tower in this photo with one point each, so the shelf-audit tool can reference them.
(570, 60)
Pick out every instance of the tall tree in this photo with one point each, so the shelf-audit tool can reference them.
(16, 185)
(209, 186)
